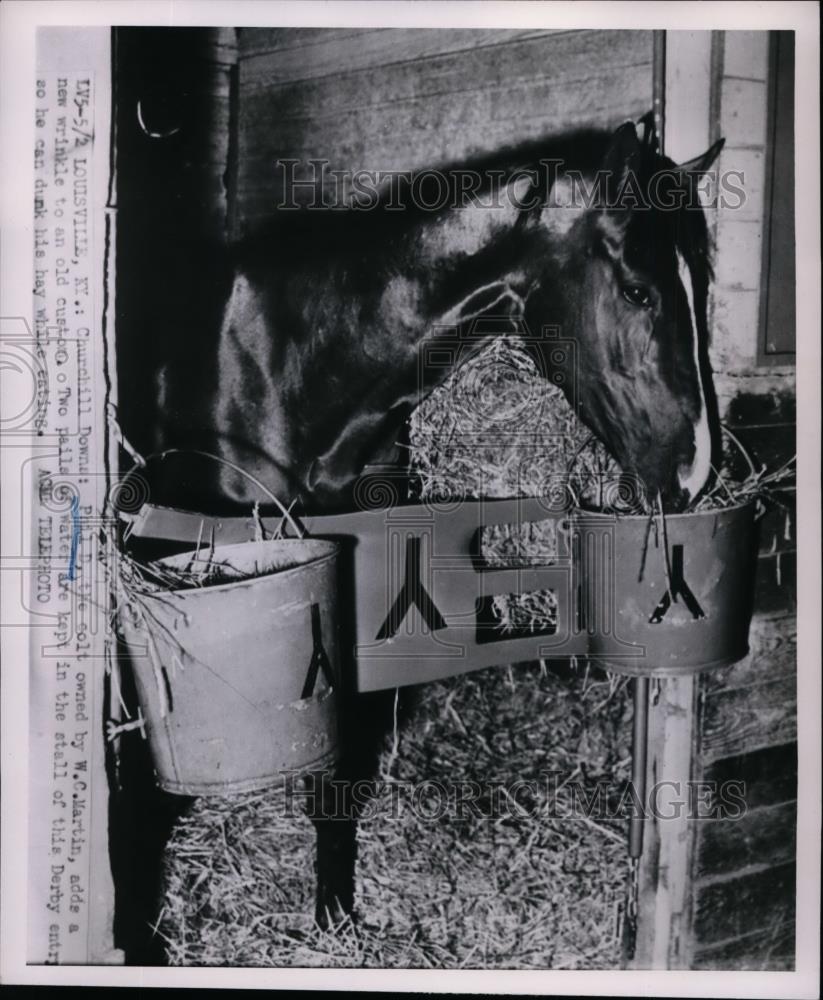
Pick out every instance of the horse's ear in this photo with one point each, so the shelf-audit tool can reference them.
(619, 169)
(646, 129)
(700, 164)
(622, 158)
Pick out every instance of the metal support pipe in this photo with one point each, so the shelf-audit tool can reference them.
(640, 742)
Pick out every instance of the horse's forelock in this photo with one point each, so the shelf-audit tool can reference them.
(659, 233)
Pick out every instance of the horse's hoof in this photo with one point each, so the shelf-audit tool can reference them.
(330, 915)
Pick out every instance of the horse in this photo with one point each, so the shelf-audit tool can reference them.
(595, 233)
(318, 362)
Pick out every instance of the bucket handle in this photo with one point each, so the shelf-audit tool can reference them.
(721, 483)
(160, 455)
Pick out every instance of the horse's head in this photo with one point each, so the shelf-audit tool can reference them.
(631, 291)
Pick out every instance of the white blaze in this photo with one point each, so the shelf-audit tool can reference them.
(693, 478)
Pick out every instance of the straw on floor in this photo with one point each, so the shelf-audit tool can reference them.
(467, 855)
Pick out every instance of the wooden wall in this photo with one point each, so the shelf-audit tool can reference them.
(387, 99)
(172, 202)
(743, 871)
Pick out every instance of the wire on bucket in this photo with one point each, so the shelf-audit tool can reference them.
(161, 455)
(758, 485)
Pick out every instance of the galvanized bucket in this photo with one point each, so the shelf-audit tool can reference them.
(237, 677)
(662, 599)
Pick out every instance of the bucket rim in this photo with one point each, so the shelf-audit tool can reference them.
(331, 553)
(672, 670)
(736, 508)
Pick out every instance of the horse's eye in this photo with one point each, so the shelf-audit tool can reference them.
(637, 295)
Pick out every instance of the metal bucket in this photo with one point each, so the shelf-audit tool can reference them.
(237, 679)
(639, 625)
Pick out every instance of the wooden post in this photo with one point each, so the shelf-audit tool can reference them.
(664, 903)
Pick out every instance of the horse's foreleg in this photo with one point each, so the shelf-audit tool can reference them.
(330, 807)
(336, 826)
(335, 802)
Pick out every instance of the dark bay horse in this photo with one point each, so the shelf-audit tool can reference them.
(601, 237)
(596, 234)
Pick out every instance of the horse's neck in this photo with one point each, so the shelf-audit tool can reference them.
(473, 247)
(461, 266)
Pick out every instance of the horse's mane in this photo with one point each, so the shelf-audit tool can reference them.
(311, 232)
(580, 148)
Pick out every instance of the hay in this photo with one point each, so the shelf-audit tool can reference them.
(496, 882)
(497, 428)
(759, 485)
(501, 882)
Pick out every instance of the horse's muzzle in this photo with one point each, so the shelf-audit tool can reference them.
(676, 500)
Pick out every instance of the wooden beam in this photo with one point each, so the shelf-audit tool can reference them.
(664, 903)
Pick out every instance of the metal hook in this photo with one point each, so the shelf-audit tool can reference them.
(150, 132)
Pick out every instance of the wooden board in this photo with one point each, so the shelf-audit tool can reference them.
(771, 948)
(284, 55)
(402, 100)
(772, 657)
(739, 720)
(761, 837)
(753, 899)
(769, 774)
